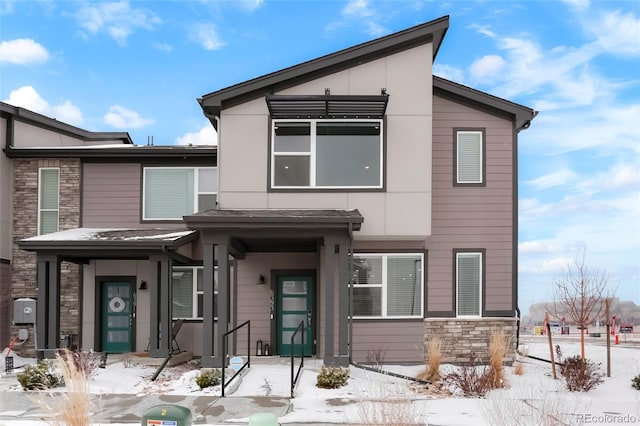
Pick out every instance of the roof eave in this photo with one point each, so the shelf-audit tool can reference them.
(124, 152)
(520, 114)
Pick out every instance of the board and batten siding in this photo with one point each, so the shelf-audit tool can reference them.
(471, 217)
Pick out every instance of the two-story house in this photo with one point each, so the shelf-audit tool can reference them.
(356, 194)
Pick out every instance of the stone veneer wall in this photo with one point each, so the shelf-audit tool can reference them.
(25, 222)
(460, 337)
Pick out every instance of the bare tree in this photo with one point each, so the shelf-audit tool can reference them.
(580, 293)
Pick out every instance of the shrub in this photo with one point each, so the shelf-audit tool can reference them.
(332, 377)
(434, 357)
(84, 362)
(635, 382)
(209, 378)
(579, 374)
(498, 343)
(40, 376)
(470, 379)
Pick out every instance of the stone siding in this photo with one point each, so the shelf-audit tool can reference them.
(25, 223)
(460, 337)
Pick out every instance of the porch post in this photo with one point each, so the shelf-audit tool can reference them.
(207, 303)
(161, 304)
(48, 305)
(216, 250)
(329, 282)
(343, 303)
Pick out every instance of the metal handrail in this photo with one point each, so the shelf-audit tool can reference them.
(294, 380)
(224, 353)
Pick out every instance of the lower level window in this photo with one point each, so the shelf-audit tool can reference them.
(388, 285)
(188, 292)
(469, 283)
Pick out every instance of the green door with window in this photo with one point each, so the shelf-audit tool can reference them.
(117, 316)
(295, 305)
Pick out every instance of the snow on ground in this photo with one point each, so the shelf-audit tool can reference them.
(533, 398)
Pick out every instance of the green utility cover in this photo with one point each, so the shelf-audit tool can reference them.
(167, 415)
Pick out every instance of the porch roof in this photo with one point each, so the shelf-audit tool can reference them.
(85, 243)
(278, 230)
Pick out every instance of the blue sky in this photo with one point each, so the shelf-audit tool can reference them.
(139, 66)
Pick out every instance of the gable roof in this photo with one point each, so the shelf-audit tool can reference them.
(519, 114)
(42, 121)
(429, 32)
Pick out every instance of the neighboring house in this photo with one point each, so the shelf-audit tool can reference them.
(88, 213)
(356, 194)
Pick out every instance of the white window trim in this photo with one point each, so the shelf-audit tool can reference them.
(196, 192)
(480, 160)
(385, 286)
(312, 153)
(481, 272)
(40, 209)
(195, 291)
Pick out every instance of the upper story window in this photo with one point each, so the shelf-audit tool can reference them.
(172, 192)
(388, 285)
(469, 279)
(469, 157)
(48, 200)
(327, 154)
(188, 292)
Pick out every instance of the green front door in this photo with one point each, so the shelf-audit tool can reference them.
(116, 317)
(295, 305)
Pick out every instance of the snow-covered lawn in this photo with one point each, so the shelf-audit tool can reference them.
(533, 398)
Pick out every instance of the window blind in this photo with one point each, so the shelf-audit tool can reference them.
(469, 157)
(168, 193)
(469, 272)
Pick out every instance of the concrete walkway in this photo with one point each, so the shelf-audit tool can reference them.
(118, 408)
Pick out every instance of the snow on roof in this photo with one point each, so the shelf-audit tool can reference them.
(110, 234)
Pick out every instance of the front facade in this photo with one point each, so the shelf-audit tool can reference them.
(356, 195)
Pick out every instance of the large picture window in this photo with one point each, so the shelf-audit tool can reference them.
(469, 157)
(388, 285)
(172, 192)
(326, 154)
(188, 292)
(469, 277)
(48, 200)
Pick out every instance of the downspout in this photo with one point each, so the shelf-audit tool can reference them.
(350, 272)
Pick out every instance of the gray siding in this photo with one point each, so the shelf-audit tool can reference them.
(6, 303)
(392, 341)
(111, 196)
(471, 217)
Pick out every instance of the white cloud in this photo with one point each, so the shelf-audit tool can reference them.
(561, 177)
(27, 97)
(622, 176)
(249, 5)
(163, 47)
(118, 19)
(487, 67)
(449, 72)
(67, 112)
(123, 118)
(207, 36)
(359, 8)
(578, 4)
(618, 33)
(22, 51)
(376, 30)
(205, 136)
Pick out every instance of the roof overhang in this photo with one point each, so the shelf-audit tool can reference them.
(519, 114)
(327, 106)
(122, 153)
(87, 243)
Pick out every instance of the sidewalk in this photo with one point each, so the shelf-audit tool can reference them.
(118, 408)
